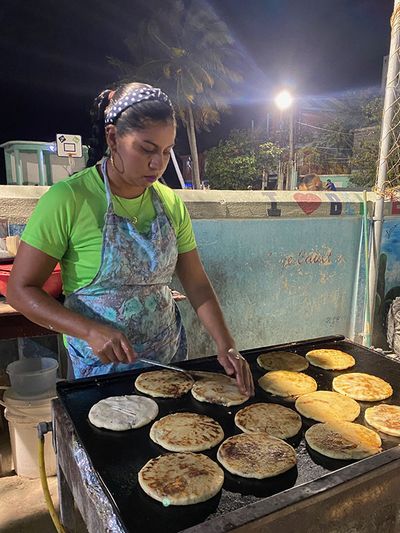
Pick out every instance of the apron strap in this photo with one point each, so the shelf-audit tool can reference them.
(106, 182)
(158, 207)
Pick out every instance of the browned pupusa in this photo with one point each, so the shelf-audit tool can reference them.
(271, 418)
(163, 383)
(385, 418)
(256, 455)
(330, 359)
(181, 478)
(282, 361)
(222, 391)
(363, 387)
(186, 432)
(343, 440)
(287, 384)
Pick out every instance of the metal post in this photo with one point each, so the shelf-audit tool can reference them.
(49, 172)
(177, 169)
(390, 97)
(39, 154)
(18, 167)
(280, 176)
(9, 174)
(292, 181)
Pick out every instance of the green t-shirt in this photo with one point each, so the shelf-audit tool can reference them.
(68, 221)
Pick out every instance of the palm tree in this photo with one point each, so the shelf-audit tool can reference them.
(185, 50)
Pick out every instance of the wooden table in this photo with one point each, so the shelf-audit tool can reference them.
(14, 325)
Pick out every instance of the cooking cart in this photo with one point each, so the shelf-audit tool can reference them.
(98, 468)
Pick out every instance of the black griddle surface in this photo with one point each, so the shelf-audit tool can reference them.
(118, 456)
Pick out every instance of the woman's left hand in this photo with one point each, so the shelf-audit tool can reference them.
(235, 365)
(177, 296)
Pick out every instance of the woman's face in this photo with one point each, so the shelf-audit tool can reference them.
(142, 155)
(314, 185)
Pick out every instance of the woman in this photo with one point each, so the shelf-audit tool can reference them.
(119, 236)
(310, 182)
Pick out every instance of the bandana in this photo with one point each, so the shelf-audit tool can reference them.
(133, 97)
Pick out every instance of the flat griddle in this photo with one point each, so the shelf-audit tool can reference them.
(118, 456)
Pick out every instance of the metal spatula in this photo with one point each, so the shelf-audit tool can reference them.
(190, 373)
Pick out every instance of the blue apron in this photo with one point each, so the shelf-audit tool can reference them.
(130, 292)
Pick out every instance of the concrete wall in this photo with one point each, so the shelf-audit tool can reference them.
(286, 265)
(389, 275)
(279, 280)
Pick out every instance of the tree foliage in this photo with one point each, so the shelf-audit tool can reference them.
(364, 161)
(186, 50)
(366, 151)
(348, 141)
(240, 161)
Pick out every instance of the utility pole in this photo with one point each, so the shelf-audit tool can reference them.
(292, 181)
(284, 102)
(385, 147)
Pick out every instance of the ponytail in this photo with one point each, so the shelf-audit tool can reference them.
(97, 141)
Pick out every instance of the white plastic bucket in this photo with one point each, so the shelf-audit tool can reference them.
(23, 417)
(33, 376)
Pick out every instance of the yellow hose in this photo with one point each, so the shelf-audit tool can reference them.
(45, 487)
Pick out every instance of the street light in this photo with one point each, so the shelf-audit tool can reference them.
(285, 101)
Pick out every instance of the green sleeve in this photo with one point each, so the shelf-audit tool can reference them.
(184, 229)
(179, 216)
(49, 226)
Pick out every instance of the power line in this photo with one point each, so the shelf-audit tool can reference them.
(324, 129)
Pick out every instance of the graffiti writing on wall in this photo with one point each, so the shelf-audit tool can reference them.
(311, 257)
(332, 321)
(309, 203)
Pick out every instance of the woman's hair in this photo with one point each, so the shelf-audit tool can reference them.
(135, 117)
(310, 182)
(308, 178)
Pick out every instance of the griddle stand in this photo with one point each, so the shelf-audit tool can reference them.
(362, 497)
(344, 501)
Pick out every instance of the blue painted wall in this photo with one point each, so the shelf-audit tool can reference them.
(278, 280)
(391, 247)
(286, 279)
(389, 277)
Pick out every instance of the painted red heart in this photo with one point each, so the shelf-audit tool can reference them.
(307, 201)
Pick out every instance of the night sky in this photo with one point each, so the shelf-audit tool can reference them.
(54, 55)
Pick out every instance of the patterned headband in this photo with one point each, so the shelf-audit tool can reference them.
(133, 97)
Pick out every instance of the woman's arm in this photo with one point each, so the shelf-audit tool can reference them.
(31, 269)
(204, 301)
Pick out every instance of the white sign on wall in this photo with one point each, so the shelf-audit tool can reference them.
(69, 145)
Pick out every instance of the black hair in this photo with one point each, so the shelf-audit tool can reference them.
(135, 117)
(308, 178)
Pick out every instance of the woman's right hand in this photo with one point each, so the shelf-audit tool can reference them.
(110, 345)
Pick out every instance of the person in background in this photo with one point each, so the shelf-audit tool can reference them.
(119, 236)
(330, 186)
(310, 182)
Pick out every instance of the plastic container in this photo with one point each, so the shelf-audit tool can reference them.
(23, 417)
(33, 376)
(53, 285)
